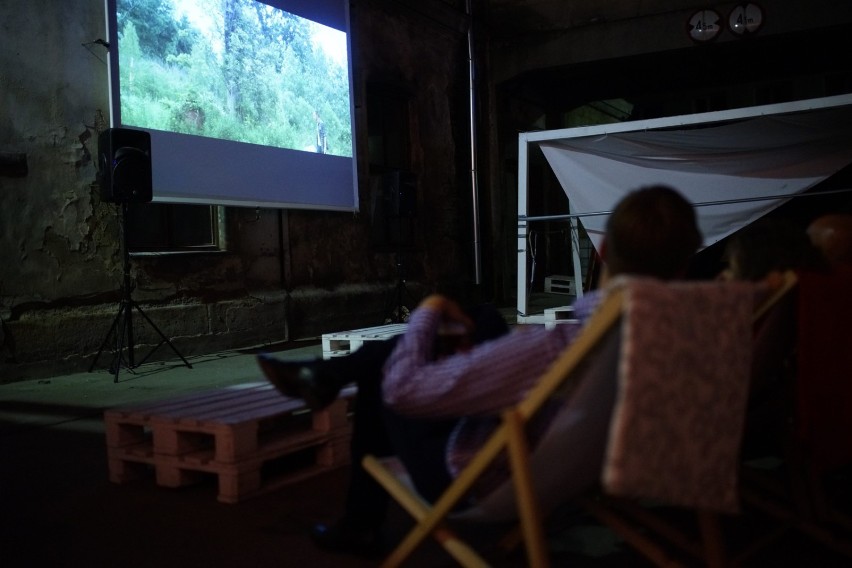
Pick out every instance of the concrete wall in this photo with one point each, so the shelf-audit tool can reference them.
(60, 263)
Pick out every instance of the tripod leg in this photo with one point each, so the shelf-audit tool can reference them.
(163, 338)
(125, 332)
(399, 311)
(128, 326)
(106, 338)
(124, 319)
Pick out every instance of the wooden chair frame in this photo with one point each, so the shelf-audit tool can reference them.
(510, 437)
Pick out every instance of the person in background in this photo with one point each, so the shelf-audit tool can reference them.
(767, 245)
(832, 234)
(322, 137)
(763, 250)
(823, 395)
(434, 411)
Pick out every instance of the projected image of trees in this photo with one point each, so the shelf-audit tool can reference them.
(234, 69)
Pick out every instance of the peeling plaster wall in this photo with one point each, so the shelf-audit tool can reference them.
(60, 262)
(53, 96)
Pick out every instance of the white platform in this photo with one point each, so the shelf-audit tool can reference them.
(344, 342)
(551, 317)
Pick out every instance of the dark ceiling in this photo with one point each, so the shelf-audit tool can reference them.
(774, 68)
(513, 18)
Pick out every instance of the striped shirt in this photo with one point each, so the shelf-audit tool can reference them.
(476, 385)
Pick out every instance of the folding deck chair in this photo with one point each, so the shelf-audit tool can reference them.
(567, 462)
(592, 356)
(656, 535)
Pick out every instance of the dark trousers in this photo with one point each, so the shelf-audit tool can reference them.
(380, 431)
(419, 443)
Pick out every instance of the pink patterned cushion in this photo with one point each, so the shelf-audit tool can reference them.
(683, 383)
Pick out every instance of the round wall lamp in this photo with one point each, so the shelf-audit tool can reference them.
(704, 25)
(745, 19)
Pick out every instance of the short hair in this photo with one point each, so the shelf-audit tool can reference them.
(832, 234)
(652, 232)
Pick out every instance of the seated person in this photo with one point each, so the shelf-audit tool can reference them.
(832, 234)
(769, 245)
(755, 252)
(824, 360)
(435, 412)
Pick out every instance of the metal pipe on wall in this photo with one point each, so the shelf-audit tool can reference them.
(474, 182)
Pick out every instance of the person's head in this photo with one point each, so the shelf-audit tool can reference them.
(770, 244)
(651, 232)
(832, 234)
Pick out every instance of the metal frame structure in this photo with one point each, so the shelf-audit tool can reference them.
(526, 139)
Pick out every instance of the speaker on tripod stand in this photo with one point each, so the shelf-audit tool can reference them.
(394, 214)
(124, 175)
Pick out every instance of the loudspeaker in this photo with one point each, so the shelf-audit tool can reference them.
(124, 162)
(399, 192)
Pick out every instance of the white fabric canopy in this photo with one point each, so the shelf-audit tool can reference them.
(770, 155)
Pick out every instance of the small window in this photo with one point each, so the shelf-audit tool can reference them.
(168, 227)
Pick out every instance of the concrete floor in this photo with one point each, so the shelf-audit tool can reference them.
(58, 508)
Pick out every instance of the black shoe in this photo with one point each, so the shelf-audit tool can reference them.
(347, 538)
(300, 379)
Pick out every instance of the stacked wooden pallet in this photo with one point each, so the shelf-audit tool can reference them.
(249, 436)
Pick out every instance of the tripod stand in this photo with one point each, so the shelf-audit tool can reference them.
(398, 312)
(394, 209)
(121, 330)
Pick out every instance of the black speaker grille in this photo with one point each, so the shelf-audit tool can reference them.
(125, 166)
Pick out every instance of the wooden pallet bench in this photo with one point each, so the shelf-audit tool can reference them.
(344, 342)
(249, 436)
